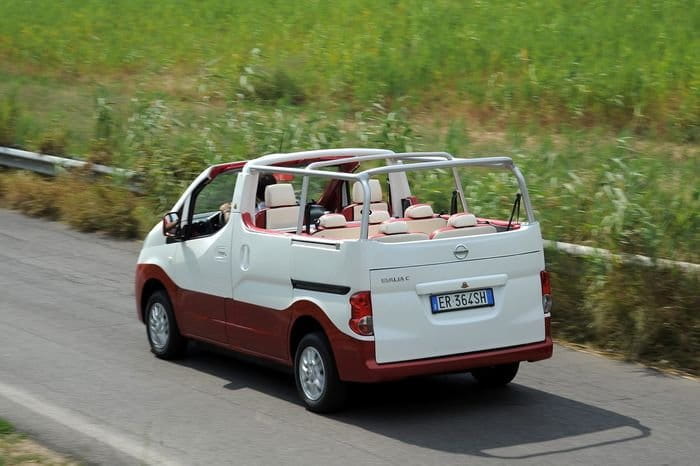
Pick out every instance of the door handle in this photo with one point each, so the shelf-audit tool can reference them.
(221, 254)
(245, 257)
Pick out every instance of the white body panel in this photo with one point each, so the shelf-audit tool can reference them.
(203, 265)
(342, 264)
(260, 262)
(155, 251)
(405, 327)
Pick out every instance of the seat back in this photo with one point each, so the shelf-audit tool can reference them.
(397, 232)
(421, 219)
(462, 225)
(282, 210)
(354, 211)
(378, 216)
(335, 226)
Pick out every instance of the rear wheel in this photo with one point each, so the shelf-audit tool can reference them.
(163, 334)
(496, 376)
(316, 376)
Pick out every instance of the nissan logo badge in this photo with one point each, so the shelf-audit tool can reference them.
(461, 252)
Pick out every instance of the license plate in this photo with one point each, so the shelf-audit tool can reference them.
(461, 300)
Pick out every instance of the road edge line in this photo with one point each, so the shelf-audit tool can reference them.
(80, 424)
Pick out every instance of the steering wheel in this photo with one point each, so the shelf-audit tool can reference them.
(214, 221)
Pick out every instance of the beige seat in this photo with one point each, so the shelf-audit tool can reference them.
(282, 210)
(354, 211)
(376, 218)
(335, 226)
(462, 225)
(397, 232)
(422, 219)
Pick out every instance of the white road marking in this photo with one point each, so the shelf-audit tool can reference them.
(74, 421)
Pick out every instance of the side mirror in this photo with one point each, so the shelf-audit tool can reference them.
(171, 225)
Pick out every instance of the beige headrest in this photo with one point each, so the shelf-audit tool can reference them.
(375, 192)
(332, 221)
(280, 195)
(419, 211)
(378, 216)
(462, 220)
(393, 228)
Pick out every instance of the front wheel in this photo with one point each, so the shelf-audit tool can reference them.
(496, 376)
(163, 334)
(316, 376)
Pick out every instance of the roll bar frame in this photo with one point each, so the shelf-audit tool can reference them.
(395, 163)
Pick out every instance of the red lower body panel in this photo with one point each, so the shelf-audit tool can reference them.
(360, 366)
(356, 359)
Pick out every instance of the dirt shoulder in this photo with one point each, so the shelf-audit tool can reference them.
(18, 449)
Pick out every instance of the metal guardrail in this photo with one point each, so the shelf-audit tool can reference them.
(635, 259)
(52, 165)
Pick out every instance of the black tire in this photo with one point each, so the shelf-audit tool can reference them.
(496, 376)
(163, 335)
(333, 393)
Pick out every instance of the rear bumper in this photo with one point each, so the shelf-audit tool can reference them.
(356, 360)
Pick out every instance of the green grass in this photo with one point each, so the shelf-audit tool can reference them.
(6, 428)
(629, 64)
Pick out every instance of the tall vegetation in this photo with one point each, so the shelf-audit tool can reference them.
(639, 313)
(613, 193)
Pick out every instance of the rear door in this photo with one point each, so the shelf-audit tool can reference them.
(462, 306)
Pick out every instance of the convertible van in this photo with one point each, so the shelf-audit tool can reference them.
(332, 264)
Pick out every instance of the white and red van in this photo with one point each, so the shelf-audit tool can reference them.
(364, 283)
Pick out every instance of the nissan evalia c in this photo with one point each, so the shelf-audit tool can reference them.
(328, 262)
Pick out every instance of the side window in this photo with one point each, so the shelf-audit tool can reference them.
(216, 193)
(211, 205)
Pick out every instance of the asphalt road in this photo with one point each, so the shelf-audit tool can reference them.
(76, 372)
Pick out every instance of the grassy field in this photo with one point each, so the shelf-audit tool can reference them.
(628, 64)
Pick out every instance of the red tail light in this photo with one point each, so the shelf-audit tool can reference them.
(361, 314)
(546, 292)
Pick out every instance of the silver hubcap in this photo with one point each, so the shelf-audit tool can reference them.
(159, 330)
(312, 374)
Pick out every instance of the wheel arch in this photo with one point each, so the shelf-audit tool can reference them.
(349, 353)
(303, 325)
(149, 278)
(151, 286)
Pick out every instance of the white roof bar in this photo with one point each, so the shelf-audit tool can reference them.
(273, 159)
(420, 156)
(504, 162)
